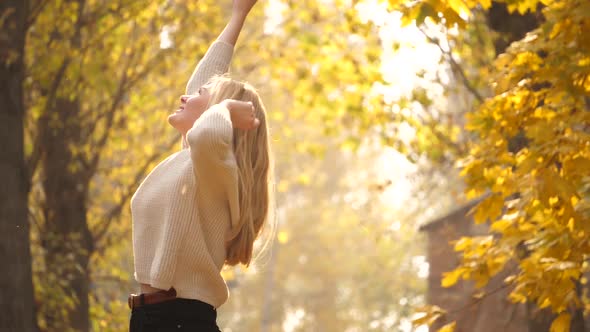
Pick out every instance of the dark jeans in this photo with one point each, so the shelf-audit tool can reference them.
(174, 315)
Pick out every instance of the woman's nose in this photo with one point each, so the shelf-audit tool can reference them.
(183, 99)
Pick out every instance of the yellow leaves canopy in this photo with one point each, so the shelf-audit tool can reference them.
(538, 189)
(455, 12)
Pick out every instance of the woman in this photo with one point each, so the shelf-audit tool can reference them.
(204, 206)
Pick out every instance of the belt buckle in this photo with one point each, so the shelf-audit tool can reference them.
(131, 301)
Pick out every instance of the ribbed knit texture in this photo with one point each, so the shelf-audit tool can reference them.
(185, 208)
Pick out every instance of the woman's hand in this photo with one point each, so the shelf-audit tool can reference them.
(241, 113)
(240, 10)
(242, 7)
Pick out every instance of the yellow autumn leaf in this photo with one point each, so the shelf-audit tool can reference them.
(577, 166)
(485, 4)
(459, 7)
(561, 323)
(574, 200)
(228, 274)
(428, 315)
(463, 243)
(448, 327)
(283, 186)
(490, 208)
(283, 237)
(450, 278)
(304, 179)
(501, 226)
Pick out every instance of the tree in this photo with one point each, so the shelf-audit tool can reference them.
(93, 94)
(529, 152)
(16, 285)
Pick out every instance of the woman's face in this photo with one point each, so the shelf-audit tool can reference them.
(190, 109)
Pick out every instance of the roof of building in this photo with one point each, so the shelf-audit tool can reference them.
(455, 215)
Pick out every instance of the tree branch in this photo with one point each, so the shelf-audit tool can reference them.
(455, 66)
(33, 160)
(479, 299)
(431, 124)
(36, 9)
(110, 115)
(109, 278)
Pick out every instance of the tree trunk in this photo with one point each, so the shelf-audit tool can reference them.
(17, 310)
(577, 323)
(539, 320)
(66, 238)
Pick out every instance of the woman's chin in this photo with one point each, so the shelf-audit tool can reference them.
(173, 119)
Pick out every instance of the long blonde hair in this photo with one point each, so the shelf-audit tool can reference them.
(252, 152)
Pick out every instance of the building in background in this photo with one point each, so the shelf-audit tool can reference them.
(491, 313)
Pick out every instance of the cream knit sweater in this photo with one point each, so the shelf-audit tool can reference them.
(184, 209)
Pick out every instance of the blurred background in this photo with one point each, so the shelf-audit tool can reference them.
(387, 117)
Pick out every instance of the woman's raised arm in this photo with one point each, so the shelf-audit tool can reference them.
(217, 59)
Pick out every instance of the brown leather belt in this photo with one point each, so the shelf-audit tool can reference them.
(138, 300)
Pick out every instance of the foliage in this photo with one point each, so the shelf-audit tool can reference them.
(538, 190)
(453, 13)
(100, 59)
(539, 193)
(325, 60)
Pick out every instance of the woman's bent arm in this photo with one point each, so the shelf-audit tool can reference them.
(214, 163)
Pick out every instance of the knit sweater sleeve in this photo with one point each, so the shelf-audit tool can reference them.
(215, 62)
(214, 164)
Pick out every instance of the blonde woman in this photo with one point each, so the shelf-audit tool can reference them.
(203, 206)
